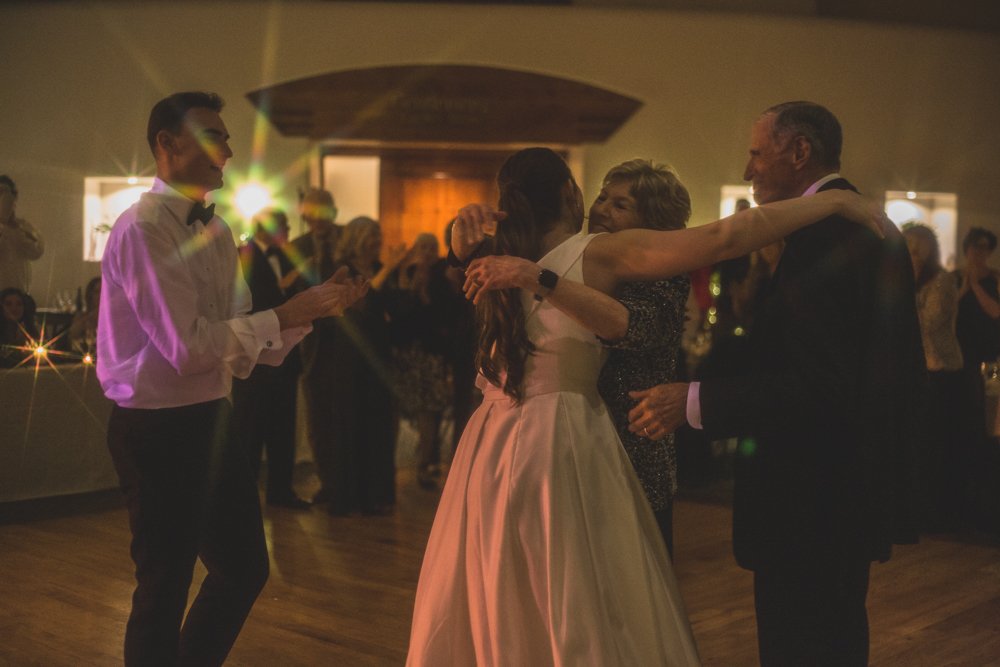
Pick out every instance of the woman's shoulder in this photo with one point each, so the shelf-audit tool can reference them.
(944, 282)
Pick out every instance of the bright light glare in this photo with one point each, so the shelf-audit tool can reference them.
(41, 352)
(902, 211)
(251, 198)
(911, 195)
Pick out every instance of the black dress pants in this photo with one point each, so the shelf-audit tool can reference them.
(264, 411)
(813, 615)
(190, 495)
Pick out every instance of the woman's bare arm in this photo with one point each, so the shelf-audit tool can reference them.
(642, 255)
(591, 308)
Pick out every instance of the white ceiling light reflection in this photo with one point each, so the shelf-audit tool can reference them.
(252, 198)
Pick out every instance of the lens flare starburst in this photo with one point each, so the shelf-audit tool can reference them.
(43, 350)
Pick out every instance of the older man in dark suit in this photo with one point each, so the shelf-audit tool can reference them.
(264, 404)
(832, 403)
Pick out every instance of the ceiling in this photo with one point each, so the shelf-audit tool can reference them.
(978, 15)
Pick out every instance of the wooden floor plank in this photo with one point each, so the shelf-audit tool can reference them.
(341, 590)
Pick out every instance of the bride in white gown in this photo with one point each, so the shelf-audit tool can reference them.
(544, 550)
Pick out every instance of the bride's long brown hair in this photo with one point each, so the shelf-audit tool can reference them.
(531, 186)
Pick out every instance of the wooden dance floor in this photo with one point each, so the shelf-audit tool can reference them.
(341, 589)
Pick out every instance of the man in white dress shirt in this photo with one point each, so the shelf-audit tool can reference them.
(174, 330)
(20, 243)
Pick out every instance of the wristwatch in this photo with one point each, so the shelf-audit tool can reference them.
(546, 283)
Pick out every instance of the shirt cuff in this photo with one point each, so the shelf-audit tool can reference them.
(267, 331)
(694, 405)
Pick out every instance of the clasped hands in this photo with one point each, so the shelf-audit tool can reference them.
(328, 299)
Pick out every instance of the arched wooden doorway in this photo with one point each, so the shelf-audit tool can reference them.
(440, 132)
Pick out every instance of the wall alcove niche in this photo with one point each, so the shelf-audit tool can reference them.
(410, 144)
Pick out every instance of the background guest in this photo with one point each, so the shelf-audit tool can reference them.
(978, 330)
(350, 407)
(83, 329)
(460, 353)
(264, 403)
(19, 328)
(978, 322)
(945, 466)
(313, 252)
(20, 243)
(420, 337)
(313, 257)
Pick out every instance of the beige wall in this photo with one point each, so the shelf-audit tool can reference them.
(919, 107)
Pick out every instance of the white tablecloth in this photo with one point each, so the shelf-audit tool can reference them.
(52, 433)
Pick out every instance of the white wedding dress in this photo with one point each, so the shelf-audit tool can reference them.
(544, 550)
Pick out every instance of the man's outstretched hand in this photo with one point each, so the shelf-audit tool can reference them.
(328, 299)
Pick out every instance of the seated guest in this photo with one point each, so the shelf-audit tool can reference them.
(18, 329)
(946, 462)
(83, 330)
(264, 404)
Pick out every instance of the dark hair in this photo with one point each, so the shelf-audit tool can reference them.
(28, 317)
(976, 234)
(531, 185)
(814, 122)
(353, 236)
(269, 219)
(92, 285)
(932, 265)
(10, 184)
(168, 113)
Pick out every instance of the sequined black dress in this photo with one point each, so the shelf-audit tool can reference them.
(646, 356)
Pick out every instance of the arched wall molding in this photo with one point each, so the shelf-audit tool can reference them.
(444, 103)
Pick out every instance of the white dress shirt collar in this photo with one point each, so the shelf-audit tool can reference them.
(814, 188)
(175, 201)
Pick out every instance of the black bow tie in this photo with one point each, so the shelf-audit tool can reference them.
(272, 251)
(201, 212)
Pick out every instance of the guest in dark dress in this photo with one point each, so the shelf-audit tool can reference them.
(354, 406)
(978, 322)
(978, 330)
(460, 354)
(420, 339)
(945, 465)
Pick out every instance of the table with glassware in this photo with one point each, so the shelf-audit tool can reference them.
(53, 422)
(991, 374)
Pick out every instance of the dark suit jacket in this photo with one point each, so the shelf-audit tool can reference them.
(313, 273)
(266, 291)
(831, 408)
